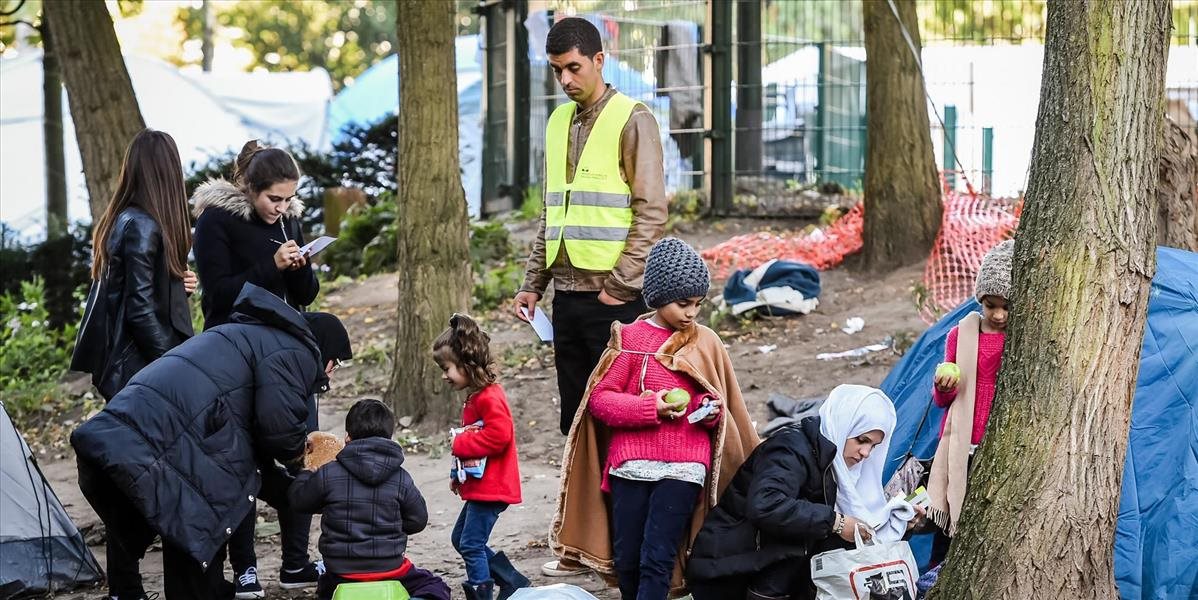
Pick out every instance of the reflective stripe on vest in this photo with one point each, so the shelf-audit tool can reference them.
(592, 214)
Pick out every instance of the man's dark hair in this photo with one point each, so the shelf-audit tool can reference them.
(573, 32)
(369, 418)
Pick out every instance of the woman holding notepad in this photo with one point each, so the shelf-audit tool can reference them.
(248, 230)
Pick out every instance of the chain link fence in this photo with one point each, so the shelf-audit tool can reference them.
(763, 101)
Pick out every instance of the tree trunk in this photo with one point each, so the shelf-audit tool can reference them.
(57, 221)
(1040, 513)
(206, 49)
(902, 193)
(434, 230)
(98, 87)
(1177, 194)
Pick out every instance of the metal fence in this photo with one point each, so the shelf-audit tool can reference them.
(653, 54)
(759, 100)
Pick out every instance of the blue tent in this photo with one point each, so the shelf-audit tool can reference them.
(375, 94)
(1156, 556)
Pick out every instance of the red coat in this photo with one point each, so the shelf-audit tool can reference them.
(496, 441)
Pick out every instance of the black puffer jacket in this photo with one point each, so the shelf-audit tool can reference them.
(233, 246)
(369, 506)
(780, 505)
(180, 439)
(136, 312)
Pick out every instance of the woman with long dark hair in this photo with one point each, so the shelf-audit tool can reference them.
(248, 230)
(137, 309)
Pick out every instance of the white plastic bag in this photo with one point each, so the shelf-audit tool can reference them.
(873, 571)
(559, 591)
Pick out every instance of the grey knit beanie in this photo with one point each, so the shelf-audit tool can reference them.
(674, 271)
(994, 276)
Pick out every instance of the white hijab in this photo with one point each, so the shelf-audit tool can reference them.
(850, 411)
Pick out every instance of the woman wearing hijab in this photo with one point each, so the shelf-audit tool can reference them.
(802, 492)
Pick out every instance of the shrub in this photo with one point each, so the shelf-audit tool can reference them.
(33, 355)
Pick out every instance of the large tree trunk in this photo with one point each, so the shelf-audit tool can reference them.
(57, 221)
(434, 246)
(102, 102)
(1177, 194)
(1039, 516)
(902, 193)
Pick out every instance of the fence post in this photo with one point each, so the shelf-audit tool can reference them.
(520, 107)
(987, 159)
(718, 34)
(505, 105)
(748, 90)
(950, 146)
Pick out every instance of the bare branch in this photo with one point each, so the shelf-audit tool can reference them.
(9, 13)
(15, 22)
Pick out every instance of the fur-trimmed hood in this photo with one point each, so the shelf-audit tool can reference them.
(219, 193)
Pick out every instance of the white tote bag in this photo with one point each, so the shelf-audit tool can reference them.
(874, 571)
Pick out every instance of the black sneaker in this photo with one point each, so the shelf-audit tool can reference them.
(248, 586)
(149, 596)
(304, 578)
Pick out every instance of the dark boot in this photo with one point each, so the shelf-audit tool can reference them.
(507, 577)
(482, 591)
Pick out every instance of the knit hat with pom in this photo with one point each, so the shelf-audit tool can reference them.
(994, 276)
(674, 271)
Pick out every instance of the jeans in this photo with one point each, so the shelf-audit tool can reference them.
(470, 536)
(649, 520)
(128, 538)
(294, 528)
(581, 330)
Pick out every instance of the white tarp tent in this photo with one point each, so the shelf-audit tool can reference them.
(206, 114)
(41, 550)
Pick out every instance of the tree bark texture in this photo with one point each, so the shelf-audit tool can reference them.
(902, 191)
(100, 93)
(1040, 513)
(57, 221)
(434, 256)
(1177, 194)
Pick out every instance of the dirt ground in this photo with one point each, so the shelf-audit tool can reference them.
(770, 355)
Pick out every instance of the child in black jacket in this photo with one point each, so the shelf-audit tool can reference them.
(370, 506)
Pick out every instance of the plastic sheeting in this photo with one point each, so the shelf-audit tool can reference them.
(375, 94)
(206, 114)
(1155, 554)
(40, 548)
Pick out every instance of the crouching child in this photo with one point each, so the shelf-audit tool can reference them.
(369, 506)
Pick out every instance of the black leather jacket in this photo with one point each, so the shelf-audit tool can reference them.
(136, 312)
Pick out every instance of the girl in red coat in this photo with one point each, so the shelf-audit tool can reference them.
(463, 352)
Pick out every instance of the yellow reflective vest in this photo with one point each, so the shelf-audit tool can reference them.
(592, 214)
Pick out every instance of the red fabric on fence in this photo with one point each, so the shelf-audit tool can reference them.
(972, 225)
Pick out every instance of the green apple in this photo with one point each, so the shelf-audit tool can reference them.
(948, 369)
(677, 397)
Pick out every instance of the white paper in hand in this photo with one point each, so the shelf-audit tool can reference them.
(540, 323)
(314, 247)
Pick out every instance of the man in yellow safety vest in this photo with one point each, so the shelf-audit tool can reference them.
(605, 206)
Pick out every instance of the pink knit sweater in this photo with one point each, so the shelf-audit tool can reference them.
(989, 360)
(637, 432)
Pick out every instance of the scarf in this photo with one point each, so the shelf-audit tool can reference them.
(850, 411)
(950, 466)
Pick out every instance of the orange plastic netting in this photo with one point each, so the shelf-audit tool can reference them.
(972, 225)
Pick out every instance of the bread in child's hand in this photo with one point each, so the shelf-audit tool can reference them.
(322, 449)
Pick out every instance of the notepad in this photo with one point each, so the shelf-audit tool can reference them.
(540, 324)
(314, 247)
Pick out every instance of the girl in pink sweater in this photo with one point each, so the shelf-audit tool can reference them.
(659, 455)
(950, 469)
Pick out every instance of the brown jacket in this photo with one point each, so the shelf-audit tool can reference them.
(641, 166)
(581, 527)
